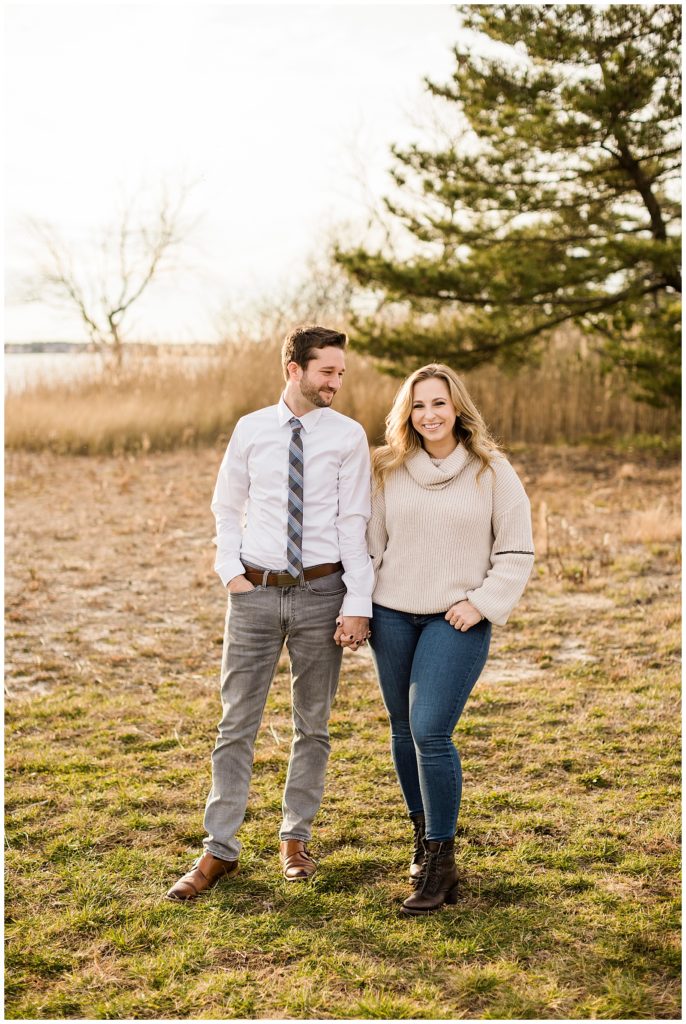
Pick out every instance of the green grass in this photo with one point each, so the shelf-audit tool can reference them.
(568, 839)
(567, 849)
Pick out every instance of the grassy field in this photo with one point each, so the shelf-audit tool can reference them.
(568, 842)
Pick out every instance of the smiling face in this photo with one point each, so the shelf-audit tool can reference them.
(433, 416)
(318, 383)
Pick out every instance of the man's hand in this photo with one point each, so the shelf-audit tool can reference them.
(239, 585)
(351, 631)
(463, 616)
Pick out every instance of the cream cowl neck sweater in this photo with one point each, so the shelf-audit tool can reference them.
(437, 535)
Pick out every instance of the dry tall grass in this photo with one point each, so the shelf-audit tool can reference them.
(566, 399)
(163, 404)
(659, 524)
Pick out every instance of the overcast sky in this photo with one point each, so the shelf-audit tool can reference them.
(283, 115)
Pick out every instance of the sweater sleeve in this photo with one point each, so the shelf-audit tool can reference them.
(512, 554)
(377, 535)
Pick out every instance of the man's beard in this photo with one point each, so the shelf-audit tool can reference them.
(310, 392)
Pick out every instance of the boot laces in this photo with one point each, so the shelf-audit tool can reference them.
(431, 872)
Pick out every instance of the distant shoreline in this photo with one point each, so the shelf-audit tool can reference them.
(27, 347)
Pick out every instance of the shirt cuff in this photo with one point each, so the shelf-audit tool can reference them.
(357, 606)
(227, 570)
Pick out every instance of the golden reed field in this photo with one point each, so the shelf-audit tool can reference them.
(161, 403)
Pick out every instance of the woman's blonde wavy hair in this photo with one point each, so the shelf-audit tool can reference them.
(402, 440)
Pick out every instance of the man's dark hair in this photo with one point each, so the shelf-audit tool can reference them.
(300, 345)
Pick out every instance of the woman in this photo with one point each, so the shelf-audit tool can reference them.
(450, 538)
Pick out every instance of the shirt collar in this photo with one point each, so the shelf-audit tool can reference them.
(309, 420)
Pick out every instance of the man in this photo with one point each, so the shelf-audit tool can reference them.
(291, 504)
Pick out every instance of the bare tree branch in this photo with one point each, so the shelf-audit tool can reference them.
(102, 291)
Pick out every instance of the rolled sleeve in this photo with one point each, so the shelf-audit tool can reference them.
(228, 506)
(351, 525)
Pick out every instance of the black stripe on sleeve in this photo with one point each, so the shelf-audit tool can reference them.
(513, 553)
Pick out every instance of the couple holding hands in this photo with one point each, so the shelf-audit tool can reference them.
(442, 546)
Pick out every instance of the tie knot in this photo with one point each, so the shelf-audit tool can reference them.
(295, 424)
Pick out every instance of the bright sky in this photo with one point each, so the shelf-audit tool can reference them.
(276, 111)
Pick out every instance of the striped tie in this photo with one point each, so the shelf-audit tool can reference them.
(295, 499)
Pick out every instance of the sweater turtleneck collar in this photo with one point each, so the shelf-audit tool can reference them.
(422, 469)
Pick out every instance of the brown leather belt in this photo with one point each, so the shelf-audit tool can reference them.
(284, 579)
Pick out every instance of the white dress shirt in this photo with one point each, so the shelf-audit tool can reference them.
(250, 502)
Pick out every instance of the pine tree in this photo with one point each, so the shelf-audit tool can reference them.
(556, 201)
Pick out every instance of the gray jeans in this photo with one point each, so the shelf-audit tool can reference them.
(257, 625)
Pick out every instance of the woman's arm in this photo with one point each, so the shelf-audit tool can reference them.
(512, 554)
(377, 535)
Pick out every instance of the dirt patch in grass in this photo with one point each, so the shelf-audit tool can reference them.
(109, 563)
(569, 830)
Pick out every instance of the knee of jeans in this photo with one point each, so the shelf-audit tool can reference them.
(400, 728)
(317, 734)
(235, 732)
(428, 740)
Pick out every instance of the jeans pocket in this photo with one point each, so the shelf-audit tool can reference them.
(327, 586)
(246, 593)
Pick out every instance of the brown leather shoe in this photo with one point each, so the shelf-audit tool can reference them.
(205, 873)
(296, 862)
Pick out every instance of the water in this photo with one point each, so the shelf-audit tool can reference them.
(23, 369)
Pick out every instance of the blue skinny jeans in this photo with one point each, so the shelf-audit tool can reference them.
(426, 670)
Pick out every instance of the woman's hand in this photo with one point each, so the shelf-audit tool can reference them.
(351, 631)
(463, 616)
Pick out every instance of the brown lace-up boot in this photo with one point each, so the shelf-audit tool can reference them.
(438, 882)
